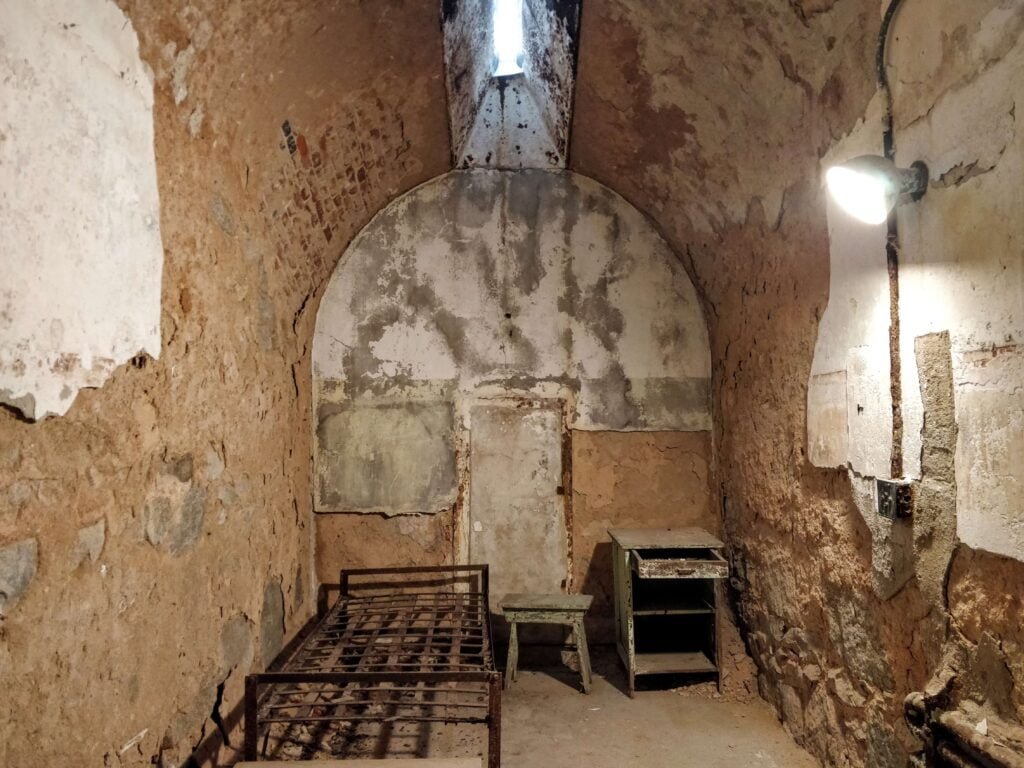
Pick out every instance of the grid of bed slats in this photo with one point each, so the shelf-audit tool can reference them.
(412, 632)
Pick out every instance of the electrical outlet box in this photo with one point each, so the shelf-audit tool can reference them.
(894, 498)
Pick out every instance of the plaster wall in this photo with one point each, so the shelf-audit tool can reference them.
(961, 272)
(964, 256)
(82, 257)
(512, 293)
(491, 284)
(551, 44)
(468, 64)
(159, 534)
(509, 130)
(619, 480)
(851, 426)
(516, 518)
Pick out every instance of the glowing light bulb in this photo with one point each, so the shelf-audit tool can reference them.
(864, 195)
(508, 37)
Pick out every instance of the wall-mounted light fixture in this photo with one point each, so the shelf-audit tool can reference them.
(869, 187)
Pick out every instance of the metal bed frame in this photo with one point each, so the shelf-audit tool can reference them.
(416, 648)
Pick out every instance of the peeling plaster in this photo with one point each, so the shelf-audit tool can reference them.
(961, 273)
(79, 211)
(519, 121)
(237, 314)
(488, 283)
(468, 54)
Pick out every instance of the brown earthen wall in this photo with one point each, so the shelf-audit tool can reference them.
(377, 541)
(198, 464)
(632, 480)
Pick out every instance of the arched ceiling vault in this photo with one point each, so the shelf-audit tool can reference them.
(701, 114)
(705, 114)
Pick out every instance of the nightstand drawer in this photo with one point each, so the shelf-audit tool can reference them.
(679, 564)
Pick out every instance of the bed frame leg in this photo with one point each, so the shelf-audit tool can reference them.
(494, 722)
(251, 724)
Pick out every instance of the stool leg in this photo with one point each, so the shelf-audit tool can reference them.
(513, 655)
(584, 652)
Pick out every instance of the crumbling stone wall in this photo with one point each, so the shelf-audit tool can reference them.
(720, 141)
(155, 542)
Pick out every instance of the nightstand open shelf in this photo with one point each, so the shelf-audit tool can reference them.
(668, 601)
(694, 663)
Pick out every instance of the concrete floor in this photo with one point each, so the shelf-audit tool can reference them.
(547, 721)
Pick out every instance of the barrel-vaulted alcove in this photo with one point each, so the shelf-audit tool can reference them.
(474, 336)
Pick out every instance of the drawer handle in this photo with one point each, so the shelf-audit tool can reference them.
(688, 572)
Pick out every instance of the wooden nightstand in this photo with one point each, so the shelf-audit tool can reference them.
(668, 601)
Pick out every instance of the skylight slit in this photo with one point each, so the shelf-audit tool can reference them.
(508, 37)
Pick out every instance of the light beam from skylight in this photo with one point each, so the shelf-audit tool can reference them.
(508, 37)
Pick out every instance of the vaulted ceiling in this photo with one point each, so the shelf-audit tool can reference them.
(702, 114)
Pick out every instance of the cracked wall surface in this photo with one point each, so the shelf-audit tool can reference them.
(155, 542)
(960, 272)
(489, 284)
(542, 295)
(729, 166)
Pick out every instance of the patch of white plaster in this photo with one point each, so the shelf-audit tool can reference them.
(961, 265)
(484, 285)
(854, 330)
(79, 211)
(416, 349)
(962, 270)
(869, 410)
(828, 431)
(990, 451)
(509, 130)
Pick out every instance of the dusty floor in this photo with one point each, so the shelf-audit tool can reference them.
(545, 714)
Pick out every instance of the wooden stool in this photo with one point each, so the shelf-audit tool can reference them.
(547, 609)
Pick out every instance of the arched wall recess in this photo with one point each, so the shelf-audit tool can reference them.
(495, 284)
